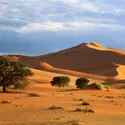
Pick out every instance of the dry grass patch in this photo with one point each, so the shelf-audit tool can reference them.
(5, 102)
(54, 107)
(74, 122)
(78, 110)
(86, 110)
(109, 97)
(85, 103)
(33, 94)
(78, 99)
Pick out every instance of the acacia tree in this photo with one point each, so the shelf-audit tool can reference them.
(60, 81)
(12, 72)
(81, 82)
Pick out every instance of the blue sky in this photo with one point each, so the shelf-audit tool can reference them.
(36, 27)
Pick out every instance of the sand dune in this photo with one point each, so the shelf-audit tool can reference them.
(45, 77)
(45, 66)
(121, 71)
(92, 58)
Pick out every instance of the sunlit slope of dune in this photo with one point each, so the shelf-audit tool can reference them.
(41, 77)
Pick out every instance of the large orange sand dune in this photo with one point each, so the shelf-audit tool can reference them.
(86, 58)
(91, 60)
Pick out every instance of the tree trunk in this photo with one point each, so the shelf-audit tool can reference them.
(4, 89)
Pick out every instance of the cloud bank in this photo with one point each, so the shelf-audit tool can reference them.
(60, 23)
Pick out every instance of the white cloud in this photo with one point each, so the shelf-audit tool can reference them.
(60, 15)
(59, 21)
(72, 26)
(67, 1)
(49, 26)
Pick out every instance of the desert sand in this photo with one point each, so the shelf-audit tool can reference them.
(109, 107)
(92, 61)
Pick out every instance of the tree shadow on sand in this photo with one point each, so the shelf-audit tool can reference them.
(118, 82)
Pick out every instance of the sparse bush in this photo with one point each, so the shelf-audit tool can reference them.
(74, 99)
(33, 94)
(5, 102)
(80, 100)
(82, 82)
(109, 97)
(78, 110)
(99, 86)
(86, 110)
(106, 86)
(54, 107)
(60, 81)
(74, 122)
(85, 103)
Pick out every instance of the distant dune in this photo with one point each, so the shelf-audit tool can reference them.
(85, 59)
(47, 67)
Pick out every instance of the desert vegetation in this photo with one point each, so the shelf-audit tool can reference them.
(99, 86)
(82, 83)
(13, 72)
(60, 81)
(74, 122)
(33, 94)
(86, 110)
(53, 107)
(85, 103)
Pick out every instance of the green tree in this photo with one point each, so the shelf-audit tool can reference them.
(60, 81)
(12, 72)
(81, 82)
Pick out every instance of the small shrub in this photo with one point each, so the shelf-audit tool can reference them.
(60, 81)
(78, 110)
(85, 103)
(109, 97)
(86, 110)
(33, 94)
(98, 86)
(82, 82)
(74, 99)
(54, 108)
(80, 100)
(111, 100)
(5, 102)
(106, 86)
(74, 122)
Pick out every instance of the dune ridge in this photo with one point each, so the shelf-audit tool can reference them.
(45, 77)
(87, 58)
(46, 67)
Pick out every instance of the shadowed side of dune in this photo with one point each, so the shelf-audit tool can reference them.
(45, 66)
(86, 59)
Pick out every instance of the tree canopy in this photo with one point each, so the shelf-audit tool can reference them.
(12, 72)
(82, 82)
(60, 81)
